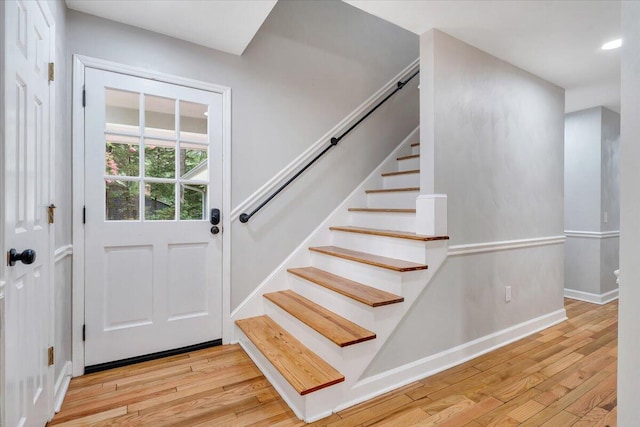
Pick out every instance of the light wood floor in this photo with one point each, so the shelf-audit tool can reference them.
(562, 376)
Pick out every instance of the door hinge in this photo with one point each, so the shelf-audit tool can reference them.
(84, 97)
(84, 214)
(50, 354)
(50, 210)
(51, 71)
(84, 332)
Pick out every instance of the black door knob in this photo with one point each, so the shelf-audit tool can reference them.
(215, 229)
(26, 257)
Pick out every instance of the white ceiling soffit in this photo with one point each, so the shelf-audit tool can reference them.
(556, 40)
(226, 25)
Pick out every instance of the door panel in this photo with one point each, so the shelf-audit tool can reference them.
(153, 172)
(27, 130)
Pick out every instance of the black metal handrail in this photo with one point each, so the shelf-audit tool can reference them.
(245, 217)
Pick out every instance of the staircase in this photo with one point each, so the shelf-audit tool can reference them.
(316, 324)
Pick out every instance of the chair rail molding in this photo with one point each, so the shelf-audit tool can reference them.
(504, 245)
(592, 234)
(62, 252)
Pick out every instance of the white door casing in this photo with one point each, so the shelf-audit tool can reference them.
(153, 269)
(28, 130)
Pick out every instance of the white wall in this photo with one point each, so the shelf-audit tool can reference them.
(629, 315)
(497, 138)
(592, 202)
(310, 65)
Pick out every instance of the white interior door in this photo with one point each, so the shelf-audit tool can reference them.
(27, 128)
(153, 173)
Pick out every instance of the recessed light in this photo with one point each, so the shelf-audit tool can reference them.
(613, 44)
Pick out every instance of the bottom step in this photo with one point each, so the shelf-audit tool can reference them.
(302, 368)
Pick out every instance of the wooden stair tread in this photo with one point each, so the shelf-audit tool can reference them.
(302, 368)
(357, 291)
(370, 259)
(387, 210)
(412, 171)
(335, 328)
(392, 190)
(415, 144)
(410, 156)
(387, 233)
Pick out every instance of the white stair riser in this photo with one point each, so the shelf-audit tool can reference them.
(381, 278)
(409, 164)
(342, 305)
(400, 181)
(404, 249)
(310, 407)
(338, 357)
(398, 200)
(282, 386)
(375, 319)
(384, 220)
(415, 150)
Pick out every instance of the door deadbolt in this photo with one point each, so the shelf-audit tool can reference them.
(215, 216)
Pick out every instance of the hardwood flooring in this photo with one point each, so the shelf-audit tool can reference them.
(562, 376)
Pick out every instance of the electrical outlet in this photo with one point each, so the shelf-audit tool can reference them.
(507, 293)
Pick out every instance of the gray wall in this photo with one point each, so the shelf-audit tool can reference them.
(610, 170)
(582, 170)
(592, 195)
(629, 316)
(310, 65)
(498, 144)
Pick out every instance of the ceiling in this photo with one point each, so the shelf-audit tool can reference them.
(226, 25)
(556, 40)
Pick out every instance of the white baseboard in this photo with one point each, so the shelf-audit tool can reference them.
(592, 298)
(62, 385)
(384, 382)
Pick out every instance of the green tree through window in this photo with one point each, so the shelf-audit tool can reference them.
(160, 162)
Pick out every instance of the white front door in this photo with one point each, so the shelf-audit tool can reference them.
(27, 132)
(153, 175)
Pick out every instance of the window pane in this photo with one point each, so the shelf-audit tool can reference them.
(121, 159)
(193, 202)
(122, 112)
(193, 122)
(160, 117)
(159, 159)
(122, 200)
(159, 201)
(193, 162)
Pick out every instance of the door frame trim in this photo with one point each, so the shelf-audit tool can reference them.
(80, 63)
